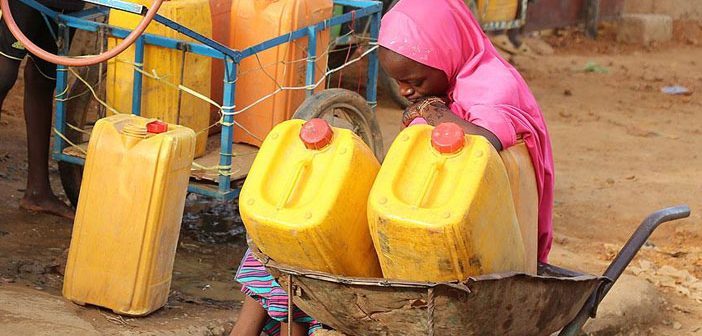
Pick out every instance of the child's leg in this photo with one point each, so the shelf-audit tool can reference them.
(251, 319)
(258, 284)
(38, 100)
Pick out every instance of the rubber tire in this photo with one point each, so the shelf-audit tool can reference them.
(76, 112)
(360, 114)
(71, 174)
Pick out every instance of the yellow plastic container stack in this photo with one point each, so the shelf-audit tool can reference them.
(304, 201)
(129, 213)
(158, 99)
(522, 180)
(497, 10)
(441, 208)
(255, 21)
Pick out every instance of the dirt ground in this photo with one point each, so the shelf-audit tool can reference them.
(622, 149)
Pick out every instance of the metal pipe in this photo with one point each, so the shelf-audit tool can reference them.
(311, 59)
(61, 94)
(138, 77)
(592, 17)
(227, 136)
(372, 83)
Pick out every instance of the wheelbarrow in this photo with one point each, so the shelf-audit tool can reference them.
(554, 300)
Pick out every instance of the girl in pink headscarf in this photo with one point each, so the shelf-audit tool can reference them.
(447, 67)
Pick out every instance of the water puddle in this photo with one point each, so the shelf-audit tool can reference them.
(212, 222)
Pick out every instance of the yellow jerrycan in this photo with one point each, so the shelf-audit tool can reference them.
(522, 180)
(255, 21)
(158, 99)
(304, 201)
(441, 208)
(129, 213)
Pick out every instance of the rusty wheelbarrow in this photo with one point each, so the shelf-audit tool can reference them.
(554, 300)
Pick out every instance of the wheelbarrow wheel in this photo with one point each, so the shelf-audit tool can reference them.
(77, 110)
(71, 174)
(344, 109)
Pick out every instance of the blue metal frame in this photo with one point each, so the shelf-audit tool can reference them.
(311, 60)
(138, 77)
(206, 47)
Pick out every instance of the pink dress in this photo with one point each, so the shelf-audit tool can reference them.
(484, 89)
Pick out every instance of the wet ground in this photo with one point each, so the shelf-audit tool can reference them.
(212, 222)
(204, 298)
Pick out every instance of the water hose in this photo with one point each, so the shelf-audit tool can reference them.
(71, 61)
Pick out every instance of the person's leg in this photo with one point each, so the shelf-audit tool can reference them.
(12, 53)
(8, 75)
(38, 101)
(252, 318)
(515, 36)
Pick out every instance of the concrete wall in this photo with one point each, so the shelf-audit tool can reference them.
(676, 9)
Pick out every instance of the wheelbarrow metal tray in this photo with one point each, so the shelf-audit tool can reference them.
(496, 304)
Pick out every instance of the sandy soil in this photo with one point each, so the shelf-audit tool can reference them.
(622, 149)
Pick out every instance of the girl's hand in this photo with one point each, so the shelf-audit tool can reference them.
(435, 111)
(422, 109)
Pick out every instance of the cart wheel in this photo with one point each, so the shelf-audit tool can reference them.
(392, 88)
(71, 174)
(344, 109)
(77, 110)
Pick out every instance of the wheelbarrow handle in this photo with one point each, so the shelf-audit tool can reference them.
(621, 261)
(638, 239)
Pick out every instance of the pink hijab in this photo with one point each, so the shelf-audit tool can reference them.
(484, 89)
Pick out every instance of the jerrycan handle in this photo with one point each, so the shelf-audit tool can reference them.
(301, 167)
(447, 139)
(316, 135)
(429, 181)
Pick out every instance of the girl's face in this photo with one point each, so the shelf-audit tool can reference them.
(416, 79)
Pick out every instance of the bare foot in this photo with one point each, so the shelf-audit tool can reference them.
(49, 205)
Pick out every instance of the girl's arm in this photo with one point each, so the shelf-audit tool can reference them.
(435, 112)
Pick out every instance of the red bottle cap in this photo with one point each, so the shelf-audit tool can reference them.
(316, 134)
(157, 127)
(448, 138)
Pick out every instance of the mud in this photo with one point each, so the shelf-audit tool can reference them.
(212, 222)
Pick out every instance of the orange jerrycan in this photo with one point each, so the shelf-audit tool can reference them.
(304, 201)
(158, 99)
(255, 21)
(441, 208)
(129, 214)
(522, 180)
(497, 10)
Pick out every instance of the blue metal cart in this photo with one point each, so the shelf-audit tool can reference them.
(223, 187)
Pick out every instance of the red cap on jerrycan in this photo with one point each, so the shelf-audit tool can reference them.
(316, 134)
(157, 127)
(448, 138)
